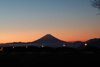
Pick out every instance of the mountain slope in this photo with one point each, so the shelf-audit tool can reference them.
(94, 42)
(49, 41)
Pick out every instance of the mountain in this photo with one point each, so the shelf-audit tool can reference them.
(14, 44)
(94, 42)
(78, 44)
(49, 41)
(45, 41)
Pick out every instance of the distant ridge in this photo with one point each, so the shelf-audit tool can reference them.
(94, 42)
(51, 41)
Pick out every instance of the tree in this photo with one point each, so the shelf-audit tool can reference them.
(96, 4)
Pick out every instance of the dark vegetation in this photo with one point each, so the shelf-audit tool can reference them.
(96, 4)
(22, 56)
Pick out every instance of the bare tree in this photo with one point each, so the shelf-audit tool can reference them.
(96, 4)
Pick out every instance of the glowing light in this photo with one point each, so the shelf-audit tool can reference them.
(13, 47)
(42, 45)
(85, 44)
(64, 45)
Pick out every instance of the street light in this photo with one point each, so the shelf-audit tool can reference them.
(85, 44)
(42, 46)
(13, 47)
(64, 45)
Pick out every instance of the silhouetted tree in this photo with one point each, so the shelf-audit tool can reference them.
(96, 4)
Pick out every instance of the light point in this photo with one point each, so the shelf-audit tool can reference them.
(85, 44)
(42, 46)
(64, 45)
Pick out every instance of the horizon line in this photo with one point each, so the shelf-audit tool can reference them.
(34, 40)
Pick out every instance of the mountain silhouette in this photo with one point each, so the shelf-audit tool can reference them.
(94, 42)
(49, 41)
(46, 41)
(77, 44)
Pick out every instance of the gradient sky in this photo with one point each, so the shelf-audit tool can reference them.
(28, 20)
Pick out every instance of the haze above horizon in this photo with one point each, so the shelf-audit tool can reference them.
(28, 20)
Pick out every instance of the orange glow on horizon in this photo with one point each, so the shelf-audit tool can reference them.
(33, 38)
(29, 36)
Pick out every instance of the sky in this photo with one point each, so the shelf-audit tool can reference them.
(29, 20)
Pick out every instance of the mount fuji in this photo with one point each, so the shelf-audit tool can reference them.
(49, 41)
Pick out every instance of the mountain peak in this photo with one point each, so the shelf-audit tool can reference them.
(48, 38)
(50, 41)
(49, 34)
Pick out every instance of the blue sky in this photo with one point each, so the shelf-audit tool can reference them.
(48, 16)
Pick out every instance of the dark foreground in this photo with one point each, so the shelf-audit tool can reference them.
(47, 57)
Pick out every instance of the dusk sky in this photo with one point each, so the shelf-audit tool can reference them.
(28, 20)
